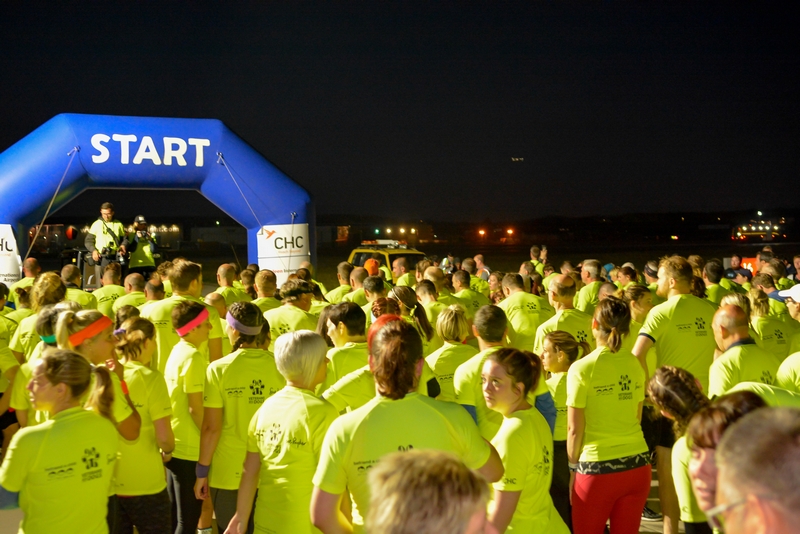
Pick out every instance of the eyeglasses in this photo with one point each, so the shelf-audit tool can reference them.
(716, 516)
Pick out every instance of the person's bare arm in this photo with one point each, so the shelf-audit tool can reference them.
(196, 408)
(503, 508)
(210, 432)
(640, 350)
(164, 436)
(576, 425)
(493, 469)
(326, 514)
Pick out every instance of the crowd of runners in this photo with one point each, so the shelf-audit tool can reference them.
(437, 397)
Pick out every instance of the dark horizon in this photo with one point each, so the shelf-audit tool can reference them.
(419, 110)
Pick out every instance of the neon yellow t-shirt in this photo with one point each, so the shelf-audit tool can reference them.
(557, 384)
(106, 296)
(778, 309)
(469, 392)
(287, 432)
(681, 331)
(267, 303)
(62, 470)
(103, 237)
(479, 285)
(408, 279)
(448, 299)
(335, 296)
(788, 373)
(547, 279)
(321, 286)
(715, 293)
(588, 297)
(744, 362)
(316, 308)
(160, 313)
(774, 335)
(573, 321)
(609, 387)
(23, 283)
(444, 362)
(227, 348)
(238, 384)
(356, 389)
(86, 300)
(167, 288)
(288, 318)
(25, 337)
(525, 446)
(358, 440)
(185, 372)
(690, 510)
(473, 299)
(232, 295)
(525, 313)
(343, 361)
(134, 298)
(538, 266)
(432, 312)
(7, 359)
(140, 470)
(17, 316)
(774, 396)
(358, 296)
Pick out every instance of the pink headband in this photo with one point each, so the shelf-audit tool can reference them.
(194, 323)
(243, 328)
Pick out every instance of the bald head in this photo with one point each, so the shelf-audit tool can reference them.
(218, 301)
(31, 267)
(357, 277)
(226, 274)
(606, 289)
(730, 325)
(306, 265)
(731, 317)
(71, 274)
(435, 275)
(266, 283)
(134, 282)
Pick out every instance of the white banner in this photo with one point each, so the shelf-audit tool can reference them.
(9, 256)
(282, 248)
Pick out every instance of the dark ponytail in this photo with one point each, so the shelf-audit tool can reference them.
(613, 318)
(249, 314)
(521, 365)
(396, 350)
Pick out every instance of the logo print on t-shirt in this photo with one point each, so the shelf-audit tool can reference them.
(625, 382)
(405, 449)
(700, 323)
(257, 387)
(766, 378)
(625, 385)
(90, 458)
(582, 336)
(274, 432)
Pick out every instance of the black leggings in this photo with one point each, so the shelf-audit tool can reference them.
(186, 508)
(150, 514)
(225, 508)
(698, 528)
(559, 489)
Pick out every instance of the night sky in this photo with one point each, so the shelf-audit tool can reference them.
(416, 110)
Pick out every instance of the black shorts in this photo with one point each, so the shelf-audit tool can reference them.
(6, 420)
(657, 429)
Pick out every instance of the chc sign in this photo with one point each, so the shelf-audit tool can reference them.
(158, 153)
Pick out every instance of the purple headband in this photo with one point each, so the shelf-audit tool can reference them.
(239, 327)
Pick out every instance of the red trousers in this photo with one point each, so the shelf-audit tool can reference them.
(617, 496)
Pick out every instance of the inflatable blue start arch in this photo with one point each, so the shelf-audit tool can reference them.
(71, 152)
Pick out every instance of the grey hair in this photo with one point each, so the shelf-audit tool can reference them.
(299, 354)
(760, 454)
